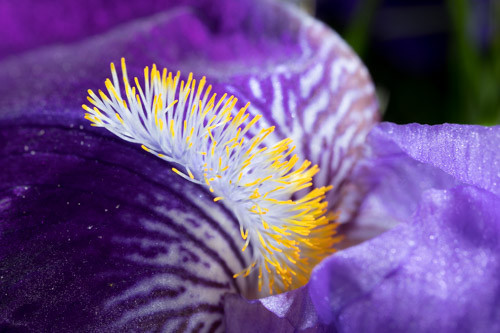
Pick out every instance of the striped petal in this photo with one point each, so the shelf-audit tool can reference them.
(301, 76)
(321, 96)
(93, 236)
(98, 235)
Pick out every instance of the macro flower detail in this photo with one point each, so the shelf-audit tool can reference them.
(208, 140)
(97, 234)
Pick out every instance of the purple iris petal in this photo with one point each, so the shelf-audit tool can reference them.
(408, 160)
(93, 238)
(439, 272)
(289, 312)
(32, 24)
(469, 154)
(97, 234)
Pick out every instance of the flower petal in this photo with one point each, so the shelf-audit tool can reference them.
(468, 153)
(99, 235)
(437, 273)
(406, 160)
(65, 185)
(289, 312)
(296, 72)
(33, 24)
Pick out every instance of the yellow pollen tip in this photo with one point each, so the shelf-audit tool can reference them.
(176, 171)
(119, 118)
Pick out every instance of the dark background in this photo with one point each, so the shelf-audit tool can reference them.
(433, 61)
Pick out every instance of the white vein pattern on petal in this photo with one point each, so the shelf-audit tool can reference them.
(175, 249)
(333, 109)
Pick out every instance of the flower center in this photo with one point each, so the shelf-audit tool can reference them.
(182, 123)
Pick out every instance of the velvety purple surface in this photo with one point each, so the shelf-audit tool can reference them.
(32, 24)
(85, 221)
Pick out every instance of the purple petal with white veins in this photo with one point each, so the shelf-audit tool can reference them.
(97, 234)
(324, 100)
(93, 238)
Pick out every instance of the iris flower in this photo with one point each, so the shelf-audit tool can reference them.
(97, 234)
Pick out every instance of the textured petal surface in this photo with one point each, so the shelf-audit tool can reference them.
(468, 153)
(296, 72)
(437, 273)
(102, 236)
(289, 312)
(407, 160)
(93, 239)
(437, 269)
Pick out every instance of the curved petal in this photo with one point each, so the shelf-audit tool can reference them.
(99, 235)
(289, 312)
(296, 72)
(406, 160)
(34, 24)
(437, 273)
(467, 153)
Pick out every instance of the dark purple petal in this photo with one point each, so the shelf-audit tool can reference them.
(98, 235)
(438, 273)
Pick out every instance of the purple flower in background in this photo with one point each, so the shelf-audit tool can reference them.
(96, 234)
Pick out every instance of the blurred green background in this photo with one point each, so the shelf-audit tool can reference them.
(433, 61)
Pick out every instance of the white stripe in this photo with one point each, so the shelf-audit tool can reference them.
(310, 79)
(349, 65)
(318, 104)
(255, 88)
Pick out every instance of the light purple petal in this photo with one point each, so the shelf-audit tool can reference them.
(438, 273)
(406, 160)
(468, 153)
(289, 312)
